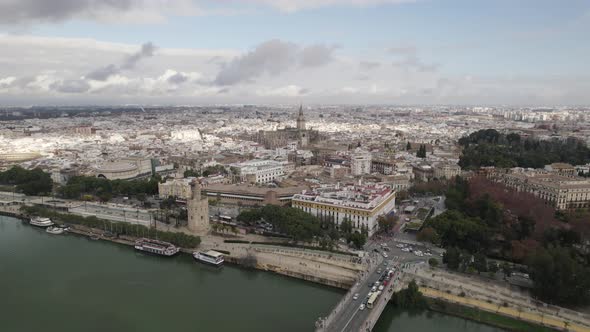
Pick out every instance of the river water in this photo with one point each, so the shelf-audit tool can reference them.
(69, 283)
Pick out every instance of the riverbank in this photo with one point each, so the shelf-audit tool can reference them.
(506, 317)
(484, 317)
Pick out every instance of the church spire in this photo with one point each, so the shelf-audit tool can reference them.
(301, 119)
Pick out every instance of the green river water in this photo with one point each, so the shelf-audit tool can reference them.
(68, 283)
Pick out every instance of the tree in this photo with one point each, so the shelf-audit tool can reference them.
(433, 262)
(357, 239)
(410, 298)
(421, 153)
(452, 257)
(427, 234)
(558, 277)
(480, 262)
(386, 222)
(346, 226)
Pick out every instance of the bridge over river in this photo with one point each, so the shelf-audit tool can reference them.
(347, 314)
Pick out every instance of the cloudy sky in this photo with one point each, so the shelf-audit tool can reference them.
(524, 52)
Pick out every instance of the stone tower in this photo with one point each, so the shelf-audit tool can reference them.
(198, 210)
(300, 119)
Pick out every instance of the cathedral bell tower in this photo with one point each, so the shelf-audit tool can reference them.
(300, 119)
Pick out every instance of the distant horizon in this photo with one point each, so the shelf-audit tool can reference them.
(296, 105)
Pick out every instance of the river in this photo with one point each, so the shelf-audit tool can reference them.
(68, 283)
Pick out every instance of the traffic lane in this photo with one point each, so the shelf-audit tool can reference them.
(352, 312)
(361, 318)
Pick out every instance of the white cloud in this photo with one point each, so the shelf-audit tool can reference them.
(52, 70)
(297, 5)
(285, 91)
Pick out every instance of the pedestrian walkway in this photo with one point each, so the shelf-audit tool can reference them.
(550, 321)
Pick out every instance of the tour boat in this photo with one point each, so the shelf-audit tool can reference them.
(156, 247)
(41, 222)
(55, 230)
(209, 257)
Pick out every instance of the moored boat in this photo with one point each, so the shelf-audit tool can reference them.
(41, 222)
(55, 230)
(209, 257)
(156, 247)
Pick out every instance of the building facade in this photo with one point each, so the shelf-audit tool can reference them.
(178, 187)
(446, 170)
(244, 195)
(259, 171)
(360, 204)
(562, 192)
(360, 163)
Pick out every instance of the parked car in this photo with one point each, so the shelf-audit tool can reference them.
(356, 296)
(362, 307)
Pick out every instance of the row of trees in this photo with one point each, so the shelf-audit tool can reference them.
(302, 226)
(421, 153)
(490, 148)
(118, 228)
(28, 182)
(104, 189)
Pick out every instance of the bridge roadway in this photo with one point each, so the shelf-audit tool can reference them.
(346, 315)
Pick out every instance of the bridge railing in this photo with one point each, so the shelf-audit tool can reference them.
(323, 323)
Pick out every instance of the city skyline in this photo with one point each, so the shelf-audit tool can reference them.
(315, 52)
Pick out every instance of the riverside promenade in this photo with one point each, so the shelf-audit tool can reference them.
(495, 297)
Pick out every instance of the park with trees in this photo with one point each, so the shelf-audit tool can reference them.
(488, 147)
(486, 219)
(105, 189)
(28, 182)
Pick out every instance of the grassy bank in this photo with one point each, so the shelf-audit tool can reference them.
(489, 318)
(117, 228)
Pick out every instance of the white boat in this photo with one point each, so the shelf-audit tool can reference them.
(55, 230)
(156, 247)
(41, 222)
(209, 257)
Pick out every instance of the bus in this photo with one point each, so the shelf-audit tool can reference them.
(225, 218)
(372, 299)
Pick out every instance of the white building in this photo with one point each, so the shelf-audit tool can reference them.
(260, 171)
(360, 204)
(360, 163)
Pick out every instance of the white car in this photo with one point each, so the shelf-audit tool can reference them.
(406, 250)
(362, 307)
(373, 289)
(399, 245)
(356, 296)
(385, 255)
(381, 287)
(428, 254)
